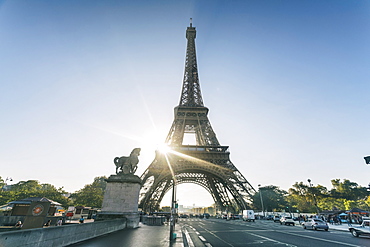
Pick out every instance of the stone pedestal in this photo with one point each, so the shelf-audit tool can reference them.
(121, 199)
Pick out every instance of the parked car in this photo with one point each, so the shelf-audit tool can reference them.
(363, 229)
(206, 215)
(236, 216)
(270, 217)
(315, 224)
(287, 220)
(276, 218)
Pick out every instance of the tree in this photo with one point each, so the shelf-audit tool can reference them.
(91, 195)
(348, 190)
(273, 199)
(344, 196)
(300, 198)
(32, 188)
(2, 183)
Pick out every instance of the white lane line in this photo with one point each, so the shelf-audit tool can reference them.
(202, 238)
(217, 237)
(188, 238)
(326, 240)
(272, 240)
(197, 233)
(208, 244)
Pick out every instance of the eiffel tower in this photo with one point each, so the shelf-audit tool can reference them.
(206, 164)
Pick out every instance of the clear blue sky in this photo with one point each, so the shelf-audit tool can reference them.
(286, 82)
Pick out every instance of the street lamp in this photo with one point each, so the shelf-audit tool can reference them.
(173, 210)
(367, 161)
(5, 181)
(263, 210)
(314, 196)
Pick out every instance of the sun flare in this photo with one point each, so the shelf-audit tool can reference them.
(163, 148)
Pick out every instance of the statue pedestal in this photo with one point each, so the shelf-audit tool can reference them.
(121, 199)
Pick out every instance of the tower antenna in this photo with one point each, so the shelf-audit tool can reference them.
(191, 22)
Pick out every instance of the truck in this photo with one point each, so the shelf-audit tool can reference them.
(248, 215)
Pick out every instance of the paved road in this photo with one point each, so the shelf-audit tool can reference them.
(222, 233)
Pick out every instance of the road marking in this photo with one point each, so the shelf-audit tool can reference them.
(272, 240)
(217, 237)
(188, 238)
(197, 232)
(208, 244)
(202, 238)
(326, 240)
(247, 231)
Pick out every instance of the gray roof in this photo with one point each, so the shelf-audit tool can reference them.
(29, 200)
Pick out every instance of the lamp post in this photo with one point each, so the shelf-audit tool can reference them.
(173, 210)
(367, 161)
(314, 196)
(263, 209)
(5, 182)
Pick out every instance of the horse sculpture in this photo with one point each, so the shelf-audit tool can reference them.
(127, 165)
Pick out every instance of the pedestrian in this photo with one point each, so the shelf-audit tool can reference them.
(331, 219)
(59, 222)
(18, 224)
(47, 224)
(82, 219)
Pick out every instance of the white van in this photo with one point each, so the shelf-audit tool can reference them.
(248, 215)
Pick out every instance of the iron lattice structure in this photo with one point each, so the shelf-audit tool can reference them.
(207, 163)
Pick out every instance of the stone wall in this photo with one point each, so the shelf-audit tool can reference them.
(60, 235)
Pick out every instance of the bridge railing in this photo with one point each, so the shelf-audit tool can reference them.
(220, 149)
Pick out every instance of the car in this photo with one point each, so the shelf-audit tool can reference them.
(363, 229)
(270, 217)
(206, 215)
(276, 218)
(287, 220)
(236, 216)
(315, 224)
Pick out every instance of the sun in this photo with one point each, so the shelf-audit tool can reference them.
(163, 148)
(152, 141)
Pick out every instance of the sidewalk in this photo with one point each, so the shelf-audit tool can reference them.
(154, 236)
(144, 235)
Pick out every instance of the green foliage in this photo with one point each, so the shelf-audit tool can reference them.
(330, 203)
(347, 190)
(32, 188)
(274, 199)
(344, 196)
(303, 197)
(2, 182)
(91, 195)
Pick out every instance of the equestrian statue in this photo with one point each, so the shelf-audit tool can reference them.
(127, 165)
